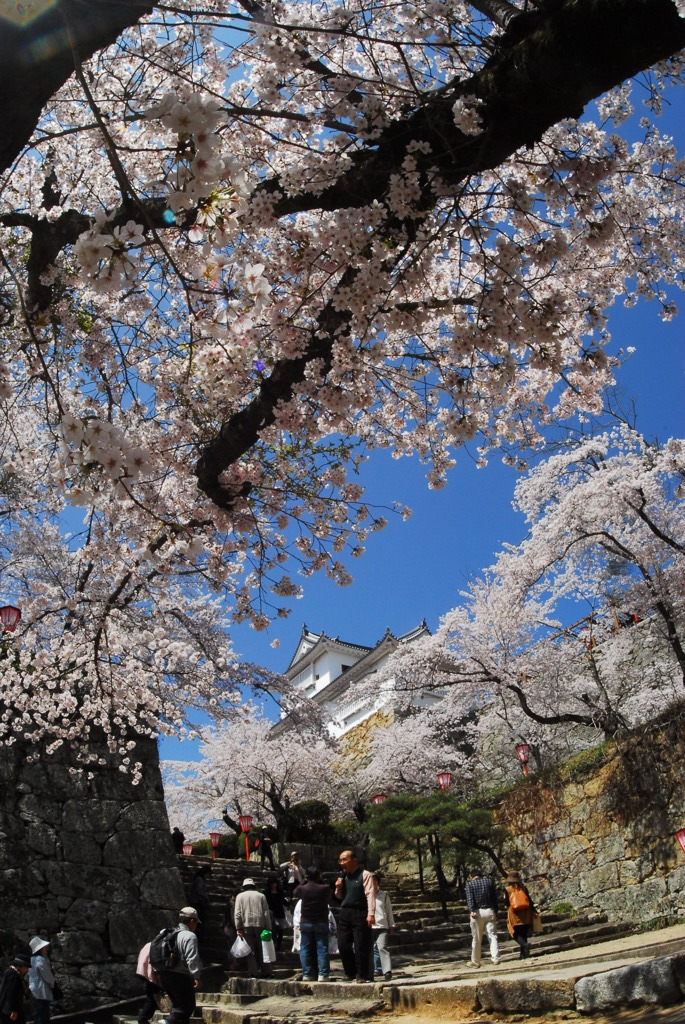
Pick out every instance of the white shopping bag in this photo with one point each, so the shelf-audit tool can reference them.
(268, 952)
(241, 947)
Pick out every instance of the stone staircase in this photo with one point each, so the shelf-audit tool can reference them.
(422, 942)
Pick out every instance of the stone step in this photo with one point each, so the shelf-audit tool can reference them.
(549, 943)
(270, 1000)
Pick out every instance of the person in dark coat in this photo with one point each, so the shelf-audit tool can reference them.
(265, 851)
(275, 898)
(200, 897)
(314, 893)
(355, 890)
(13, 991)
(178, 839)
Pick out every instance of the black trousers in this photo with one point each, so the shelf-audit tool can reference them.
(521, 932)
(149, 1007)
(266, 854)
(355, 942)
(181, 991)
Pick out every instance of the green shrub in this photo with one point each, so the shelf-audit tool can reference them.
(563, 909)
(202, 848)
(231, 846)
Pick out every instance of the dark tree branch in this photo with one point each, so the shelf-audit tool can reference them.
(550, 63)
(36, 59)
(568, 56)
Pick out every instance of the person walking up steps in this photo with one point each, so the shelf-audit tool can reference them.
(481, 898)
(520, 912)
(252, 917)
(314, 957)
(385, 924)
(180, 981)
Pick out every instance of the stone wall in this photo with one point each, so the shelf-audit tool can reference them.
(356, 744)
(86, 863)
(601, 838)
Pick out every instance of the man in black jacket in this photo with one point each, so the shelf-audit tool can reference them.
(355, 889)
(13, 991)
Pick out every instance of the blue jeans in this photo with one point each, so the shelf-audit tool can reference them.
(314, 949)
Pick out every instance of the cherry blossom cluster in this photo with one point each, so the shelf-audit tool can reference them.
(578, 631)
(246, 769)
(236, 303)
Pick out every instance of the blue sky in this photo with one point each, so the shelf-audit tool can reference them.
(414, 570)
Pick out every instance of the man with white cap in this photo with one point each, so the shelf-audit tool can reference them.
(41, 980)
(180, 981)
(252, 916)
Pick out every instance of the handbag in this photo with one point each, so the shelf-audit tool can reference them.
(163, 1002)
(537, 924)
(240, 948)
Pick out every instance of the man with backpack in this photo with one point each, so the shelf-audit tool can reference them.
(176, 959)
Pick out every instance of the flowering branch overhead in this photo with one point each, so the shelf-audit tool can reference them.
(242, 246)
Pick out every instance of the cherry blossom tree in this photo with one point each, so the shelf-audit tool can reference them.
(606, 539)
(406, 756)
(242, 244)
(246, 769)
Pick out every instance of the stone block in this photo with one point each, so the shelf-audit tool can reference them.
(678, 963)
(675, 881)
(653, 982)
(80, 947)
(460, 999)
(33, 915)
(631, 872)
(639, 902)
(32, 807)
(127, 849)
(557, 831)
(610, 847)
(64, 785)
(144, 814)
(130, 929)
(80, 848)
(578, 817)
(525, 995)
(162, 888)
(599, 879)
(82, 880)
(41, 838)
(119, 978)
(91, 915)
(90, 816)
(573, 852)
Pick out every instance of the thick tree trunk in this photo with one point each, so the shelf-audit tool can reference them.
(37, 57)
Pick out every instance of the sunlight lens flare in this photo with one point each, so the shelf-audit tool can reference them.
(23, 12)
